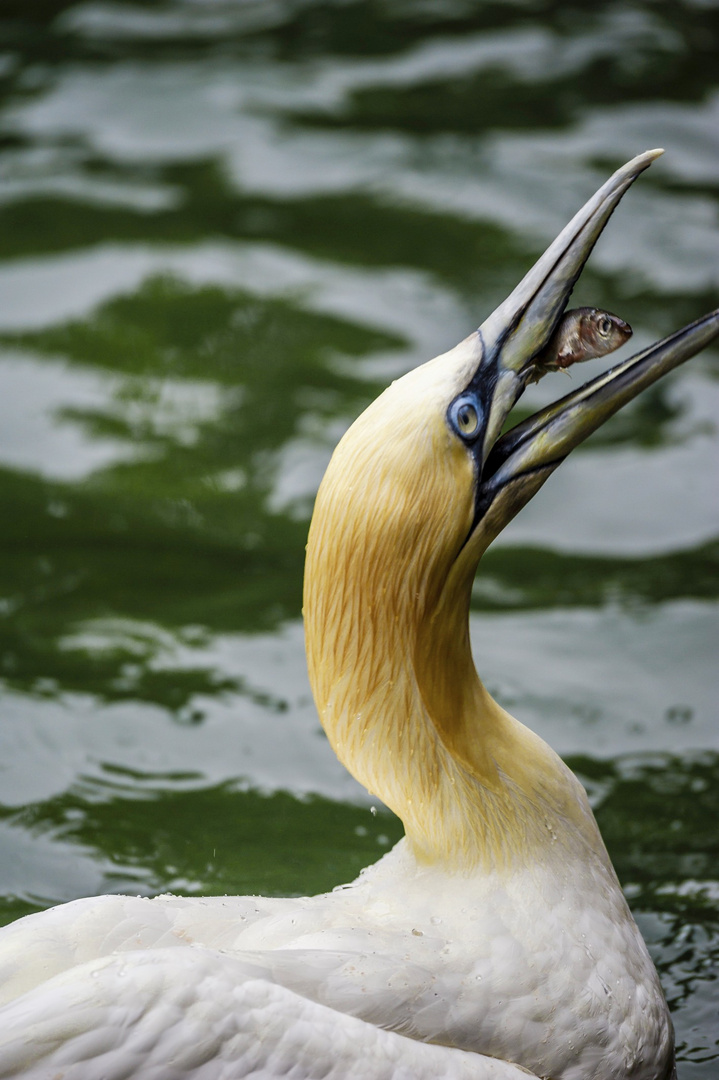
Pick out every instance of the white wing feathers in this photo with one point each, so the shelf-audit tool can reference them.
(37, 947)
(195, 1014)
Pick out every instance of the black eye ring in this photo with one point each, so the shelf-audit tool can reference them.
(465, 416)
(605, 326)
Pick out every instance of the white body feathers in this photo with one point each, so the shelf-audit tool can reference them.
(551, 972)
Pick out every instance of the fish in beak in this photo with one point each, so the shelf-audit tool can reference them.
(583, 334)
(513, 345)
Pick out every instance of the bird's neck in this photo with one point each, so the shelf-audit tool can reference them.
(391, 668)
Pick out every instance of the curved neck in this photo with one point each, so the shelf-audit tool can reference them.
(386, 607)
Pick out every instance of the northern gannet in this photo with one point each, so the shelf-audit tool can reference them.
(494, 939)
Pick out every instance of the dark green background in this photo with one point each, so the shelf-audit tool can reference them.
(224, 227)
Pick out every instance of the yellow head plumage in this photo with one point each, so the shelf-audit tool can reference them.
(390, 564)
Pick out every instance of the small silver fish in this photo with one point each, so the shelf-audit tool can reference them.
(582, 334)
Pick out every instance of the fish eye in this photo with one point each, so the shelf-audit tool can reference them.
(464, 416)
(605, 326)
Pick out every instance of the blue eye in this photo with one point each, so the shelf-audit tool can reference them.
(464, 415)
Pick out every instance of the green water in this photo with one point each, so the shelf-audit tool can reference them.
(224, 227)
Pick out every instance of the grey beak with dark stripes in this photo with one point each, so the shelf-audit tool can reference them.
(512, 467)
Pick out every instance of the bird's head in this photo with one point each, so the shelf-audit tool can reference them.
(421, 484)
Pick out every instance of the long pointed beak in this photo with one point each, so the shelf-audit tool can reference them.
(511, 468)
(521, 326)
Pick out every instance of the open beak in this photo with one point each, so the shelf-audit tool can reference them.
(520, 328)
